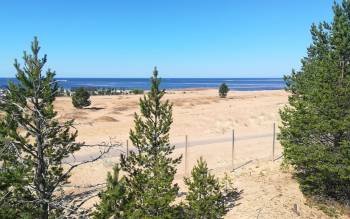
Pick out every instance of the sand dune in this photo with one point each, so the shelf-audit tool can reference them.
(105, 119)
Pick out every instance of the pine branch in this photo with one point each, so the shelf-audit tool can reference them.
(73, 166)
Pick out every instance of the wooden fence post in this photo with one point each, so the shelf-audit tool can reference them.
(233, 148)
(127, 148)
(186, 145)
(273, 142)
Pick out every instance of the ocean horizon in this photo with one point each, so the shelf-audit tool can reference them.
(240, 84)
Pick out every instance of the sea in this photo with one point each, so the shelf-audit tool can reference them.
(240, 84)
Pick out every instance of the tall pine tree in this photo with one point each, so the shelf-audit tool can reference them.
(315, 131)
(149, 170)
(35, 144)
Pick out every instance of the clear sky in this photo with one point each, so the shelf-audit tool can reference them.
(184, 38)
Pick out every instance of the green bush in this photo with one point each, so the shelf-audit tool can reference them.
(223, 90)
(81, 98)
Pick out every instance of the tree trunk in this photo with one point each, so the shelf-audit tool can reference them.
(41, 166)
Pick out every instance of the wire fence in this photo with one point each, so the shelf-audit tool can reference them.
(230, 153)
(227, 153)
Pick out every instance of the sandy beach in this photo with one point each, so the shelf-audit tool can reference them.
(208, 121)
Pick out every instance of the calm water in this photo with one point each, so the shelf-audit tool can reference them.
(243, 84)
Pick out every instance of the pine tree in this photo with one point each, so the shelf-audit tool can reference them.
(149, 170)
(81, 98)
(223, 90)
(315, 126)
(205, 194)
(113, 199)
(36, 144)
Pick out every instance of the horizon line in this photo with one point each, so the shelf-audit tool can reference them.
(162, 77)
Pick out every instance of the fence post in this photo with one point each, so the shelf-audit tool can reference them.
(186, 144)
(233, 148)
(273, 142)
(127, 148)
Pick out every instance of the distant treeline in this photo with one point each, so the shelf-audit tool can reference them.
(98, 91)
(93, 91)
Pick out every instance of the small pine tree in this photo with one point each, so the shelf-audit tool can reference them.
(113, 199)
(81, 98)
(205, 196)
(223, 90)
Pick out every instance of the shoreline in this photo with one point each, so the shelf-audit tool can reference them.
(185, 89)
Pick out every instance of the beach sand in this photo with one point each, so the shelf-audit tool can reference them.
(208, 121)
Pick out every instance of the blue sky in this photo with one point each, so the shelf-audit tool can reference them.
(184, 38)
